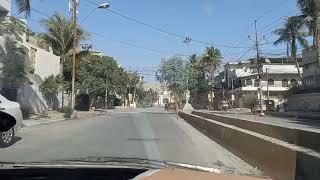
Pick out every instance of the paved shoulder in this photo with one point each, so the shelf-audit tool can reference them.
(165, 136)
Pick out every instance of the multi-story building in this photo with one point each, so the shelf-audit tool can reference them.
(278, 75)
(39, 61)
(307, 97)
(163, 92)
(311, 69)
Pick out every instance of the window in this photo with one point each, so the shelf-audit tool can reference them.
(248, 82)
(285, 83)
(270, 82)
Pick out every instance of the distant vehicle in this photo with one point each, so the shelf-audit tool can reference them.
(223, 105)
(270, 105)
(10, 121)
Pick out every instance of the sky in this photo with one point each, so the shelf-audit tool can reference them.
(217, 22)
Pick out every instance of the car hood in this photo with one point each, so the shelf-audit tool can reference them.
(173, 174)
(156, 168)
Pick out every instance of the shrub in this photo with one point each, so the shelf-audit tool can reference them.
(26, 113)
(68, 111)
(249, 101)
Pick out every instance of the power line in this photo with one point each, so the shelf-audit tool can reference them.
(259, 17)
(139, 47)
(40, 12)
(277, 20)
(165, 31)
(271, 10)
(245, 53)
(120, 42)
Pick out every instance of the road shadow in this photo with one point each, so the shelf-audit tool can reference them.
(159, 112)
(308, 122)
(15, 140)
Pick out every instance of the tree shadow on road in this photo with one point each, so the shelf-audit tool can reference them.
(164, 112)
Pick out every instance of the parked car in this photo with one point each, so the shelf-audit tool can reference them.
(10, 121)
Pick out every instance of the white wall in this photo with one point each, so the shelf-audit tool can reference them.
(5, 7)
(46, 63)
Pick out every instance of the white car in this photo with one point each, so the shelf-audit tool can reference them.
(10, 121)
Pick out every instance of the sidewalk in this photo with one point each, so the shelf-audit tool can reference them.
(54, 116)
(289, 122)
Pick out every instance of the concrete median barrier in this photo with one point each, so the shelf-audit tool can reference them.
(277, 159)
(299, 137)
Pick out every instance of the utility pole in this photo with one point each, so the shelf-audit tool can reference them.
(268, 95)
(259, 67)
(74, 50)
(106, 100)
(232, 95)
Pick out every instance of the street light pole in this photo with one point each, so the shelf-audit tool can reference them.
(74, 48)
(268, 95)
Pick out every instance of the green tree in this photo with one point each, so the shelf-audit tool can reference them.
(292, 33)
(12, 26)
(197, 83)
(50, 88)
(24, 6)
(311, 10)
(211, 60)
(59, 34)
(133, 79)
(173, 73)
(13, 59)
(95, 75)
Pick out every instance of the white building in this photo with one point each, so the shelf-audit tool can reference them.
(40, 62)
(241, 79)
(311, 69)
(164, 93)
(307, 97)
(5, 7)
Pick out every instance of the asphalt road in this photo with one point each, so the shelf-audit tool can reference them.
(151, 134)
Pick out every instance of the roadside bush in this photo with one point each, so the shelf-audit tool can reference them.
(67, 112)
(26, 113)
(249, 101)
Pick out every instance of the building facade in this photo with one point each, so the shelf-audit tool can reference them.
(163, 92)
(241, 80)
(5, 7)
(39, 62)
(311, 69)
(307, 97)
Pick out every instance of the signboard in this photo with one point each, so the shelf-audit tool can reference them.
(210, 97)
(187, 93)
(130, 97)
(232, 97)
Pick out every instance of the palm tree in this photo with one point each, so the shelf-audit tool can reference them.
(211, 60)
(24, 6)
(292, 33)
(311, 9)
(60, 35)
